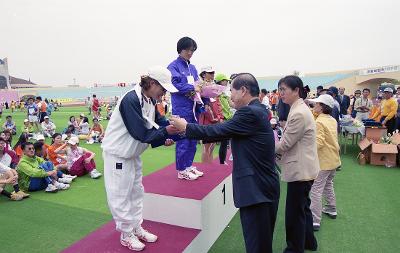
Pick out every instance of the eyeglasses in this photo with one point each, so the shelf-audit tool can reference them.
(281, 89)
(31, 148)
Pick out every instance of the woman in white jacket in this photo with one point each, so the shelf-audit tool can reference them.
(134, 124)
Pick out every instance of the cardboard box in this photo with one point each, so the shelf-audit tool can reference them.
(365, 146)
(384, 154)
(375, 133)
(395, 139)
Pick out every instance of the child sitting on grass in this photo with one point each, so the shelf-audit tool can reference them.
(79, 160)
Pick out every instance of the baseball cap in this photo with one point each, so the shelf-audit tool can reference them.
(82, 115)
(273, 121)
(73, 141)
(26, 120)
(388, 90)
(221, 77)
(324, 99)
(163, 76)
(46, 117)
(40, 137)
(207, 69)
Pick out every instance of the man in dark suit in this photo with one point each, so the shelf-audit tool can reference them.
(344, 101)
(254, 176)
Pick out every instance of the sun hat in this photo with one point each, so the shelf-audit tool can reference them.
(163, 76)
(324, 99)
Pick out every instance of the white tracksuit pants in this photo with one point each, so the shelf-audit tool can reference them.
(125, 192)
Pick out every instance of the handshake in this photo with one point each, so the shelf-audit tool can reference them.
(177, 125)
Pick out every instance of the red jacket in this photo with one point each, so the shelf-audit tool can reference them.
(217, 109)
(96, 104)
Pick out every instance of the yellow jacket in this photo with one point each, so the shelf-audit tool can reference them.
(374, 111)
(327, 142)
(388, 109)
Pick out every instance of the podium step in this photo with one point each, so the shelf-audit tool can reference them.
(166, 182)
(187, 216)
(205, 204)
(172, 239)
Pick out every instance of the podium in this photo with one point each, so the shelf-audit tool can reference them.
(187, 216)
(205, 204)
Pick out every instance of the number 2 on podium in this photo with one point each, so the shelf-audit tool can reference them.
(223, 192)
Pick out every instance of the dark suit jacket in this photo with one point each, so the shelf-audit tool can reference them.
(254, 176)
(344, 104)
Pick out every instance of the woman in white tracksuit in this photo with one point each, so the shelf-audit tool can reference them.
(134, 124)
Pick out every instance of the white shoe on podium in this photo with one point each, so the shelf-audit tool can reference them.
(131, 241)
(195, 171)
(187, 175)
(144, 235)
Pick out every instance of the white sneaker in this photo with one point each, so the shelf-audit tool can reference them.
(70, 176)
(187, 175)
(331, 215)
(61, 186)
(95, 174)
(65, 180)
(144, 235)
(51, 188)
(131, 241)
(194, 170)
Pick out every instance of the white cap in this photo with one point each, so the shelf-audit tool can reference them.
(324, 99)
(26, 120)
(40, 137)
(273, 121)
(207, 69)
(46, 117)
(388, 89)
(73, 141)
(163, 76)
(82, 115)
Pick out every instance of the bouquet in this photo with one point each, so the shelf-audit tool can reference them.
(357, 123)
(207, 90)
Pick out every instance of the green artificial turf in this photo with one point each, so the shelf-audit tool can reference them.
(368, 213)
(367, 201)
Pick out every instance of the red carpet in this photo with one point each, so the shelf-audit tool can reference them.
(171, 239)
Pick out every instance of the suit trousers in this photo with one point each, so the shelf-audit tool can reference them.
(223, 149)
(298, 218)
(258, 224)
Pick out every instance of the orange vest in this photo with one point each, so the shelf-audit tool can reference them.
(44, 107)
(274, 99)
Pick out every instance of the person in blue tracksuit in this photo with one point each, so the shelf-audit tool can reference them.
(184, 75)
